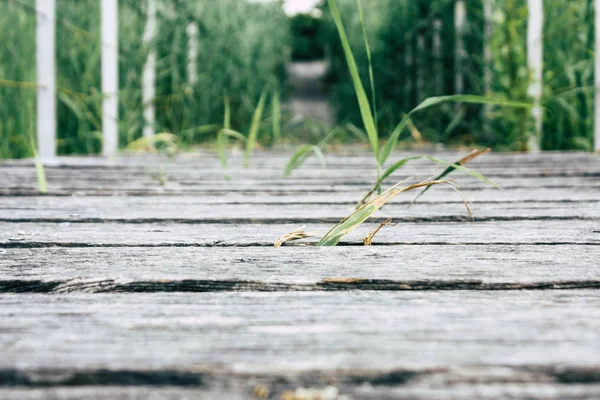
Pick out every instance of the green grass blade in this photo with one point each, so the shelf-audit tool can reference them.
(433, 101)
(369, 59)
(254, 127)
(361, 95)
(300, 156)
(227, 113)
(39, 170)
(276, 115)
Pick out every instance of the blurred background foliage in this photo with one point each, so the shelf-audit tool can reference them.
(244, 47)
(394, 27)
(242, 51)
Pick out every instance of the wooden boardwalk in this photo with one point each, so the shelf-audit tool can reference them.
(115, 287)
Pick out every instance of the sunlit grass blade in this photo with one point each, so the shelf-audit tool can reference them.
(348, 224)
(254, 127)
(433, 101)
(369, 59)
(300, 156)
(361, 95)
(39, 169)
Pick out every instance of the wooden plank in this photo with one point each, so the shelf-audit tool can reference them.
(295, 332)
(516, 384)
(139, 209)
(46, 77)
(204, 172)
(33, 235)
(167, 269)
(110, 76)
(90, 184)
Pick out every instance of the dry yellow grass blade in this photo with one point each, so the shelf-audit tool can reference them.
(298, 234)
(368, 240)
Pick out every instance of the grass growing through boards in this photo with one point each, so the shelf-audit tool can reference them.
(382, 152)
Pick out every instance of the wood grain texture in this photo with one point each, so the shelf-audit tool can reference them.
(246, 233)
(114, 286)
(186, 209)
(397, 268)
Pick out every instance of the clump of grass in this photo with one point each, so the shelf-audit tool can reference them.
(166, 144)
(354, 220)
(250, 141)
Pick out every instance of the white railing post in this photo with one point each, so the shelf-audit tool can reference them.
(460, 19)
(110, 76)
(193, 51)
(597, 80)
(535, 60)
(46, 78)
(149, 73)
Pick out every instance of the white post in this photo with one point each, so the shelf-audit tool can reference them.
(460, 18)
(597, 81)
(110, 76)
(149, 74)
(193, 51)
(535, 60)
(46, 78)
(437, 56)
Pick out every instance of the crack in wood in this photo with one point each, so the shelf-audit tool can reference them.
(207, 377)
(292, 220)
(325, 285)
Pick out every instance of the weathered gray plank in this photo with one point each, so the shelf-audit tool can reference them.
(299, 268)
(170, 208)
(341, 155)
(295, 332)
(90, 181)
(247, 234)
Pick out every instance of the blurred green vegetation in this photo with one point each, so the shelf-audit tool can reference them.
(242, 51)
(394, 27)
(307, 43)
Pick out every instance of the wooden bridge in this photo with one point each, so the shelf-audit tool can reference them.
(115, 286)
